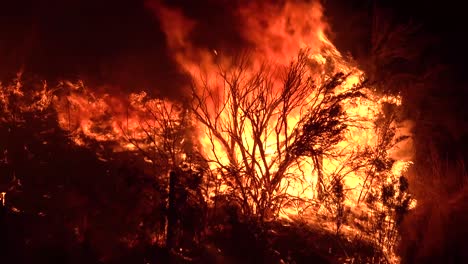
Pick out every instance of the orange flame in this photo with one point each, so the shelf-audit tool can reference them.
(277, 33)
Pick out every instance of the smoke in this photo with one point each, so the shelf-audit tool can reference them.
(215, 23)
(128, 46)
(116, 44)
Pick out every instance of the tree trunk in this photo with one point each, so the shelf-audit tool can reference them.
(171, 212)
(319, 166)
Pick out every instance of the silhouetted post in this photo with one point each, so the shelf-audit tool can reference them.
(3, 229)
(171, 212)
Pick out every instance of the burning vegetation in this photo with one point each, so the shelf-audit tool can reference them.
(285, 140)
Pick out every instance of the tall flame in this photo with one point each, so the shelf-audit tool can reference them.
(276, 34)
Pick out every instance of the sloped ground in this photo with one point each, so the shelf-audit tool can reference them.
(274, 242)
(278, 242)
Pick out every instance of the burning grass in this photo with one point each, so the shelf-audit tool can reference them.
(263, 150)
(274, 144)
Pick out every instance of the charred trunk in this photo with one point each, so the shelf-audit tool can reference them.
(171, 212)
(318, 160)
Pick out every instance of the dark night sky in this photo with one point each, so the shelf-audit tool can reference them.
(120, 43)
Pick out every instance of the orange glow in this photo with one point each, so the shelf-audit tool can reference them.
(277, 34)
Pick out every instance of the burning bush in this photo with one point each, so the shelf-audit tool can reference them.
(256, 142)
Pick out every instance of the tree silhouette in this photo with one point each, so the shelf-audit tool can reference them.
(259, 127)
(165, 139)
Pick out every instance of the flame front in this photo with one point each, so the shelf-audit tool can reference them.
(277, 34)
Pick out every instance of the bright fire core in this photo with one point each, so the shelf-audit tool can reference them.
(277, 35)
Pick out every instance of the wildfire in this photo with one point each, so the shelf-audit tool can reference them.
(277, 34)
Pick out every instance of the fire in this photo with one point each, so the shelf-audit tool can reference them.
(277, 34)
